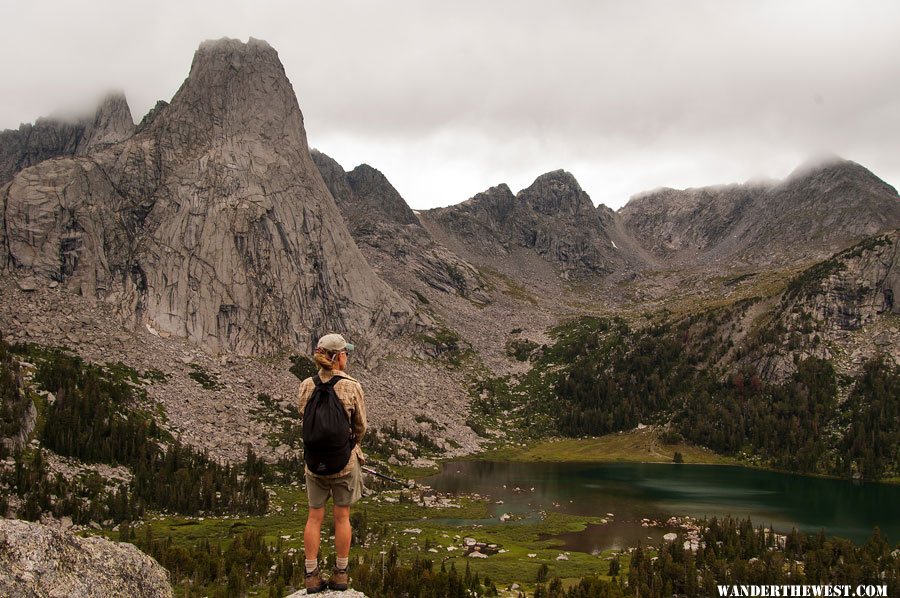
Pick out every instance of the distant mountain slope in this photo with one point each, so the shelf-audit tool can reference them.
(211, 222)
(390, 235)
(816, 211)
(803, 377)
(553, 217)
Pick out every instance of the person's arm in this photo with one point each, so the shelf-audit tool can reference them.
(359, 415)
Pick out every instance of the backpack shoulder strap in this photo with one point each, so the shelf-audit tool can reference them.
(334, 380)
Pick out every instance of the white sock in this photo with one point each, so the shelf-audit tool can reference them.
(343, 562)
(311, 565)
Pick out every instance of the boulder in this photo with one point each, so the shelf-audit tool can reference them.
(351, 593)
(41, 560)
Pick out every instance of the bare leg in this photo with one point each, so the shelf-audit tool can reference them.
(311, 534)
(342, 531)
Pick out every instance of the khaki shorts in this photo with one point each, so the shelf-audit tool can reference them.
(346, 489)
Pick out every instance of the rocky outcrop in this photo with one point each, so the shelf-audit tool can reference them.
(817, 210)
(211, 222)
(391, 236)
(351, 593)
(34, 143)
(40, 560)
(48, 138)
(112, 123)
(364, 195)
(23, 429)
(670, 222)
(151, 115)
(18, 415)
(842, 309)
(479, 222)
(553, 217)
(855, 287)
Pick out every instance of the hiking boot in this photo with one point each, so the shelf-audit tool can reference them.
(314, 581)
(340, 580)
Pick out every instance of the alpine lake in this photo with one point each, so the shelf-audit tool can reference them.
(626, 494)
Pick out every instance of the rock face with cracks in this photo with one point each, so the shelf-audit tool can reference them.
(45, 560)
(211, 222)
(847, 302)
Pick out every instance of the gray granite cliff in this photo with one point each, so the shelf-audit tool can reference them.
(212, 222)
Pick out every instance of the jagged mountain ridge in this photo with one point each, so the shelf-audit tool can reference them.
(392, 238)
(364, 194)
(553, 217)
(212, 222)
(817, 210)
(209, 145)
(50, 137)
(143, 237)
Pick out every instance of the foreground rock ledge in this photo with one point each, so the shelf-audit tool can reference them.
(39, 560)
(351, 593)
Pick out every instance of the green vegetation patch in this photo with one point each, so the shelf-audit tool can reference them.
(155, 375)
(641, 446)
(14, 403)
(509, 286)
(447, 345)
(387, 440)
(205, 379)
(286, 419)
(521, 349)
(302, 367)
(97, 417)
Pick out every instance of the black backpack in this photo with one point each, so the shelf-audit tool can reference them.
(328, 437)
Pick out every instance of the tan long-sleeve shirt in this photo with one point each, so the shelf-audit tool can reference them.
(350, 393)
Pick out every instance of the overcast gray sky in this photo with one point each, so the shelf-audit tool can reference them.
(450, 98)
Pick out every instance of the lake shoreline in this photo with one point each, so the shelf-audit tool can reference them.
(637, 490)
(629, 447)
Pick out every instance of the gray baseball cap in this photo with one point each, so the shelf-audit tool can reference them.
(334, 342)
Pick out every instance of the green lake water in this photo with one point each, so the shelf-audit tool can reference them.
(632, 491)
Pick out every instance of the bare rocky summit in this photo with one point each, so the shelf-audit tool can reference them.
(364, 194)
(211, 223)
(39, 560)
(818, 210)
(553, 217)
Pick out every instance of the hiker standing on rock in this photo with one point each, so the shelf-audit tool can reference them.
(334, 420)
